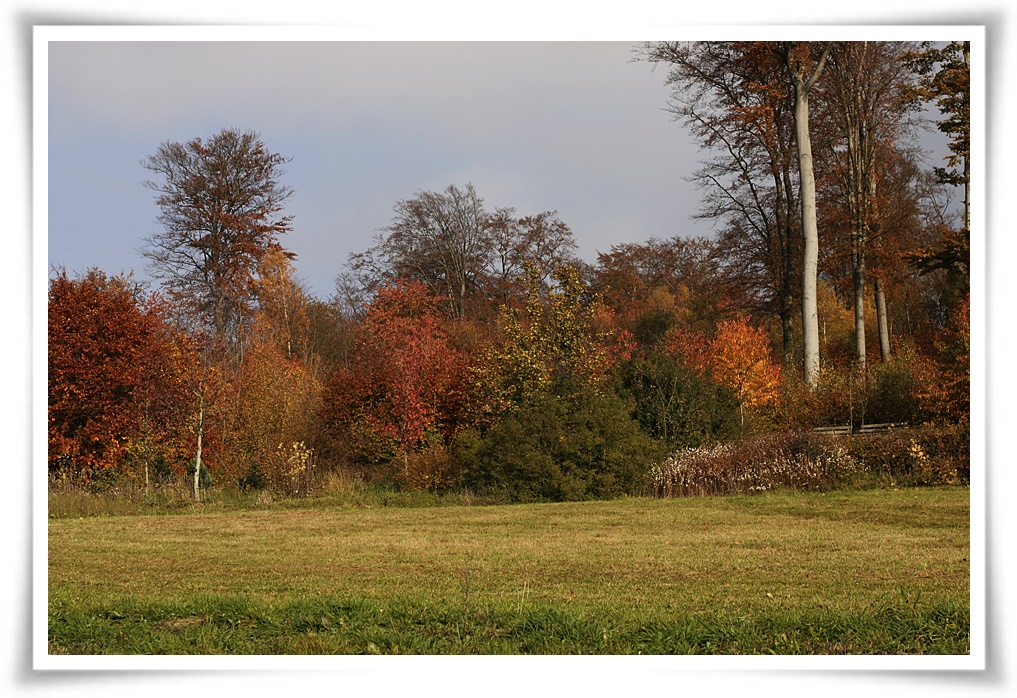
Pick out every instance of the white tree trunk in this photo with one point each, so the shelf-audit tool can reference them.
(858, 278)
(881, 322)
(197, 457)
(810, 228)
(810, 261)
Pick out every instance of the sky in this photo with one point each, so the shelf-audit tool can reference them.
(577, 127)
(580, 128)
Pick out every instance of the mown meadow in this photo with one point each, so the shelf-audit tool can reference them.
(879, 571)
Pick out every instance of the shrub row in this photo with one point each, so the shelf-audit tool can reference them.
(772, 461)
(809, 461)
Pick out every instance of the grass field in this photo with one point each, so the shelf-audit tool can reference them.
(861, 572)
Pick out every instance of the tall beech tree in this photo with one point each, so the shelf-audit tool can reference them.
(221, 208)
(805, 62)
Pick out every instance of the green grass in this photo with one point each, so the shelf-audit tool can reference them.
(879, 571)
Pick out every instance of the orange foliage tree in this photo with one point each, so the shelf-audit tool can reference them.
(113, 380)
(738, 356)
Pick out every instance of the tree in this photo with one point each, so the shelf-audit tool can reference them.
(556, 344)
(656, 284)
(866, 102)
(220, 203)
(111, 373)
(678, 405)
(946, 72)
(946, 80)
(451, 242)
(407, 386)
(737, 356)
(273, 423)
(735, 98)
(804, 69)
(540, 243)
(281, 315)
(441, 239)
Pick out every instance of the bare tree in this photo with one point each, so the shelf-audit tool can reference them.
(221, 205)
(449, 241)
(439, 238)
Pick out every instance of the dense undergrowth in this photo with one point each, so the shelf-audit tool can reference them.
(774, 461)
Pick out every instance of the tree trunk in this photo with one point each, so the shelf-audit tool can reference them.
(810, 230)
(967, 154)
(197, 457)
(858, 281)
(881, 322)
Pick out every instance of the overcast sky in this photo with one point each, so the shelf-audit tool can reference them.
(579, 128)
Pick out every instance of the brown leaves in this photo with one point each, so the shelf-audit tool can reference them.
(111, 370)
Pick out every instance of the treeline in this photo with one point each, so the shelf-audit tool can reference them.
(471, 348)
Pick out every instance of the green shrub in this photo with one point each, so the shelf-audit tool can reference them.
(675, 405)
(558, 449)
(204, 478)
(896, 389)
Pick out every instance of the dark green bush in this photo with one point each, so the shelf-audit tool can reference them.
(895, 387)
(559, 449)
(253, 479)
(675, 405)
(204, 478)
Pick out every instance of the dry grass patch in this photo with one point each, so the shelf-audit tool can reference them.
(840, 553)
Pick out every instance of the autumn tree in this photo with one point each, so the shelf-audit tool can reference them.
(554, 429)
(558, 343)
(654, 285)
(417, 369)
(737, 356)
(805, 62)
(209, 392)
(946, 81)
(273, 425)
(407, 387)
(866, 103)
(111, 373)
(537, 244)
(281, 312)
(735, 99)
(451, 242)
(221, 211)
